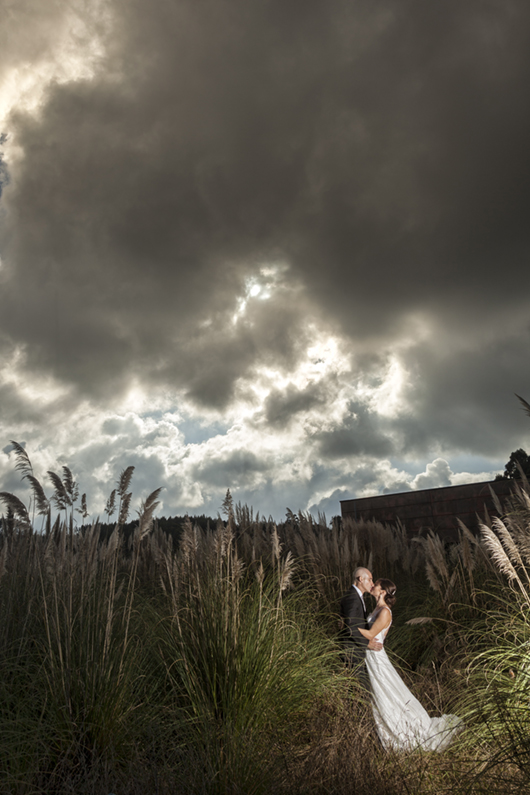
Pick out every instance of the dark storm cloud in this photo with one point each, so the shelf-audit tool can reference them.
(430, 201)
(235, 469)
(357, 434)
(282, 405)
(378, 151)
(466, 398)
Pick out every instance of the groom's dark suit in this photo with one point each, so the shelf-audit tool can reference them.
(353, 614)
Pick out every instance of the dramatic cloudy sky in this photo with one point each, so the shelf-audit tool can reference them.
(280, 246)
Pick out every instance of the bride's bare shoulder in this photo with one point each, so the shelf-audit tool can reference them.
(382, 613)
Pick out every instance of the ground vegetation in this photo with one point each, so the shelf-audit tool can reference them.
(132, 661)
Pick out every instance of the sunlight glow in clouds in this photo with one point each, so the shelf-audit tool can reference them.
(261, 287)
(387, 399)
(296, 300)
(71, 50)
(39, 389)
(323, 359)
(136, 400)
(266, 451)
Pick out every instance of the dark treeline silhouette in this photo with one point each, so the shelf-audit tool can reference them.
(519, 461)
(171, 525)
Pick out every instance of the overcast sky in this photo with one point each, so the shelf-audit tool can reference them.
(280, 247)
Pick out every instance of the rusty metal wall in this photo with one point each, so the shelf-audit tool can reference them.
(431, 508)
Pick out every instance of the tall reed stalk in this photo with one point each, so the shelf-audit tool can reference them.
(243, 660)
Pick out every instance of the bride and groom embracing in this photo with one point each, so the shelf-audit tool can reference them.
(400, 720)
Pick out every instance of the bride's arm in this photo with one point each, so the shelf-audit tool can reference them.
(381, 622)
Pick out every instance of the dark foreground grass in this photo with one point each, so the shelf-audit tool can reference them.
(226, 686)
(129, 667)
(333, 753)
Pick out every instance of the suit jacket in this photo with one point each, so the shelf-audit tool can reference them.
(353, 614)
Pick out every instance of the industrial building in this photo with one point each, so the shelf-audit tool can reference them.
(436, 509)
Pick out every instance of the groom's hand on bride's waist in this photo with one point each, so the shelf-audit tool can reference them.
(374, 645)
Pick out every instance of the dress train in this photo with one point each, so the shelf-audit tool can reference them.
(401, 721)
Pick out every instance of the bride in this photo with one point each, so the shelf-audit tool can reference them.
(401, 721)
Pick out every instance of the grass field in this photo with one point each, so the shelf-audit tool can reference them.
(130, 666)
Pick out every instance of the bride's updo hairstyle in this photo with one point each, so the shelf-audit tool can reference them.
(390, 590)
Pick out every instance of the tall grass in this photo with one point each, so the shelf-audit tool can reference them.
(130, 665)
(70, 660)
(245, 661)
(500, 668)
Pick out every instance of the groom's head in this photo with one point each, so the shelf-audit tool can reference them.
(362, 578)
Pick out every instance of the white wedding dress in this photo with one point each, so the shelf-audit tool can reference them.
(401, 722)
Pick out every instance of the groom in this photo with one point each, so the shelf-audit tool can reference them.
(353, 614)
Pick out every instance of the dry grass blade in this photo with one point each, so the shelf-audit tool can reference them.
(291, 517)
(228, 504)
(188, 541)
(69, 484)
(23, 463)
(125, 481)
(524, 404)
(260, 573)
(519, 525)
(496, 501)
(24, 466)
(17, 506)
(508, 543)
(487, 519)
(468, 559)
(41, 500)
(467, 533)
(276, 545)
(146, 511)
(61, 496)
(83, 510)
(124, 508)
(436, 555)
(110, 507)
(286, 571)
(431, 576)
(113, 542)
(238, 567)
(226, 537)
(525, 499)
(412, 622)
(500, 558)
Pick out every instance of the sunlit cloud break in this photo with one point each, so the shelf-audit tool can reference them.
(243, 246)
